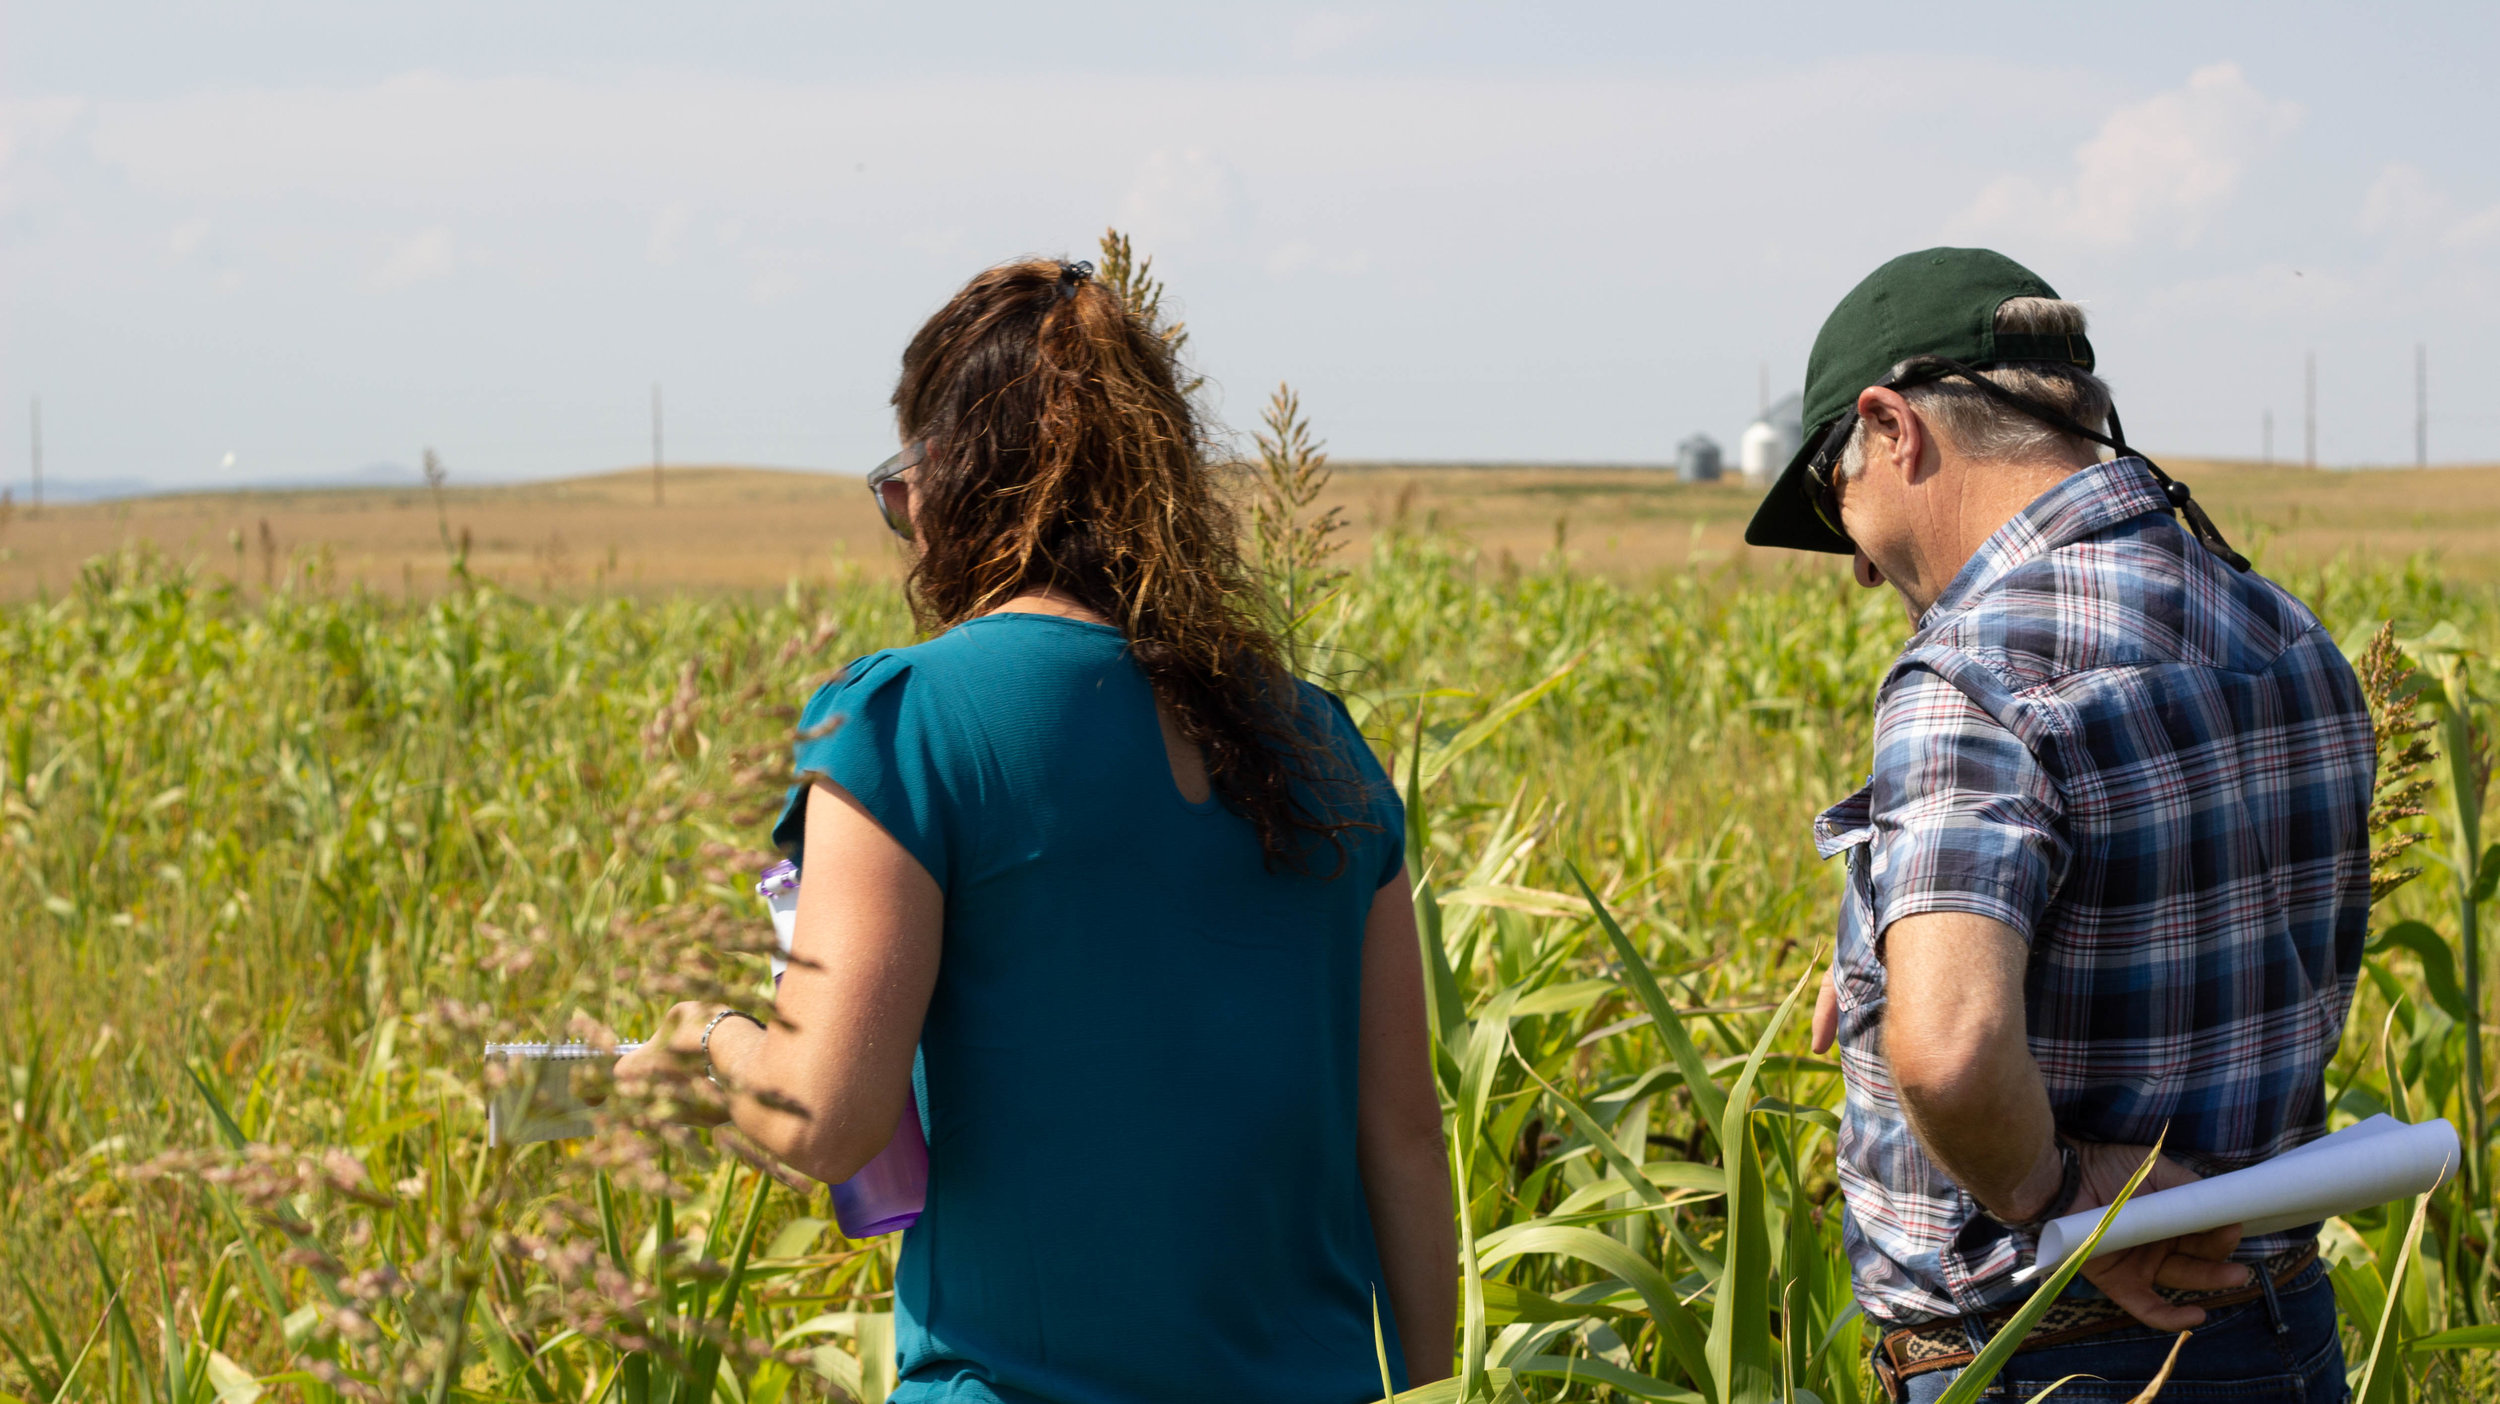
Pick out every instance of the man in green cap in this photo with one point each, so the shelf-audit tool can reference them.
(2109, 880)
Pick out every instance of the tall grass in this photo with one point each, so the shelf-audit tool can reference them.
(274, 866)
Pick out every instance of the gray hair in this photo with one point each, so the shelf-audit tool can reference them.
(1984, 429)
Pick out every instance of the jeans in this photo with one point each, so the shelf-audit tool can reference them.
(2282, 1351)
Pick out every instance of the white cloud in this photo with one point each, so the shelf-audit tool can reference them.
(1331, 32)
(2163, 166)
(1291, 257)
(27, 129)
(422, 255)
(774, 284)
(2273, 295)
(2401, 200)
(668, 230)
(1295, 257)
(25, 126)
(186, 237)
(2404, 201)
(2474, 231)
(1583, 264)
(1183, 194)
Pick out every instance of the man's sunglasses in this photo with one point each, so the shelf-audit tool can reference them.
(1823, 470)
(893, 494)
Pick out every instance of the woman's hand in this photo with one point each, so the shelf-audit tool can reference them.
(1397, 1138)
(674, 1058)
(821, 1092)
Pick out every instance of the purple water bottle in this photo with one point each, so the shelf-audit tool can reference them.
(888, 1193)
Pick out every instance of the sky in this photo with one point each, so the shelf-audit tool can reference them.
(295, 239)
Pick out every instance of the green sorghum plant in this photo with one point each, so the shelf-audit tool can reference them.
(275, 867)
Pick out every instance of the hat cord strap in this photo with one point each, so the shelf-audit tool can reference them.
(1925, 369)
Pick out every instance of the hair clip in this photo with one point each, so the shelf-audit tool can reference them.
(1071, 274)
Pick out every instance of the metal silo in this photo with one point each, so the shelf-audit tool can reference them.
(1771, 441)
(1697, 459)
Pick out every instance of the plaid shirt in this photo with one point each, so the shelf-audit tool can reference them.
(2158, 771)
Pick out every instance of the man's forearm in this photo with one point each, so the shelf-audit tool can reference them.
(1992, 1133)
(1954, 1035)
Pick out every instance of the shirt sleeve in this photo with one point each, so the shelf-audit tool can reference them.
(871, 732)
(1965, 817)
(1378, 802)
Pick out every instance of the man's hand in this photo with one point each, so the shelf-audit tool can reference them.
(1827, 1013)
(2196, 1262)
(1954, 1034)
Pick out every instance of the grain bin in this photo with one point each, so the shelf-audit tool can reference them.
(1770, 441)
(1697, 459)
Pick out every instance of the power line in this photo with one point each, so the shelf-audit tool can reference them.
(2309, 412)
(2421, 405)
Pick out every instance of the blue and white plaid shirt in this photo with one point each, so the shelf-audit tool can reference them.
(2158, 771)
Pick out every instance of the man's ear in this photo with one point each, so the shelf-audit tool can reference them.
(1894, 430)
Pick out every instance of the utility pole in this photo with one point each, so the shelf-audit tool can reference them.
(35, 418)
(2309, 412)
(2267, 438)
(2421, 405)
(658, 495)
(1766, 389)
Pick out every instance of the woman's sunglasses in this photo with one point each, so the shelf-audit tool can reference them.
(893, 494)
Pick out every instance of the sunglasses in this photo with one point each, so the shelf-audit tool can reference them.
(1823, 471)
(893, 494)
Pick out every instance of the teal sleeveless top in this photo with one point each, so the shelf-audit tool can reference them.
(1137, 1074)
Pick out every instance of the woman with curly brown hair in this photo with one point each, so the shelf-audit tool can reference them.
(1119, 900)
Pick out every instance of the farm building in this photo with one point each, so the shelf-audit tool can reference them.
(1697, 459)
(1771, 440)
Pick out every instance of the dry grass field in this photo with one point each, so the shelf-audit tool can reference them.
(748, 529)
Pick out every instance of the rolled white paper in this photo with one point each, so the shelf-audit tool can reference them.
(2358, 1167)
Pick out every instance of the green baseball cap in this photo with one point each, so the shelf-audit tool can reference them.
(1936, 302)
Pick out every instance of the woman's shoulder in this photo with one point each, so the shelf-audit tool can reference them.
(1358, 788)
(886, 720)
(858, 679)
(1324, 717)
(1324, 714)
(970, 661)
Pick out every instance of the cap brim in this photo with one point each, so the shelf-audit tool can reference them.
(1787, 518)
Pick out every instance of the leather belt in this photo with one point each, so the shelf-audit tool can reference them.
(1944, 1344)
